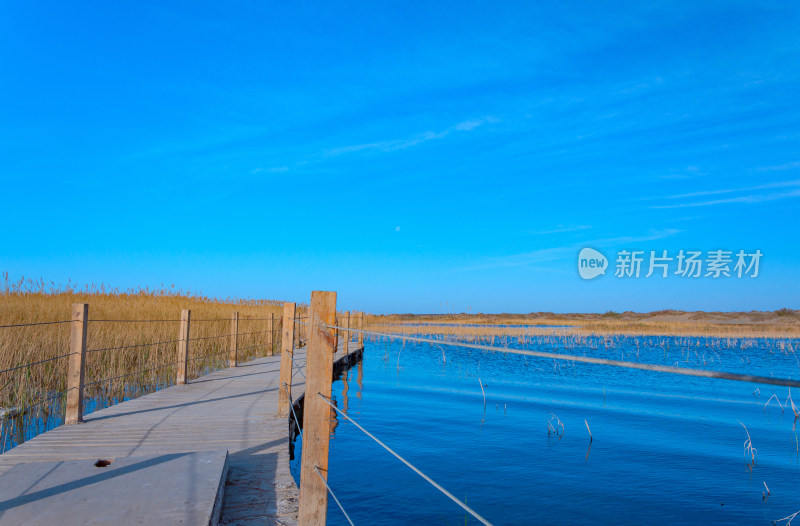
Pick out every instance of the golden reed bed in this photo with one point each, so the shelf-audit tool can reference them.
(127, 340)
(784, 323)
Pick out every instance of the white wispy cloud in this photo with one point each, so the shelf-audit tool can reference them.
(780, 167)
(689, 173)
(384, 146)
(275, 170)
(387, 146)
(779, 184)
(745, 199)
(468, 125)
(400, 144)
(474, 123)
(568, 251)
(559, 230)
(674, 176)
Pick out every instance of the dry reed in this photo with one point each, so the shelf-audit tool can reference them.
(749, 450)
(783, 323)
(131, 346)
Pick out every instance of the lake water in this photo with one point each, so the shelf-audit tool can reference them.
(666, 449)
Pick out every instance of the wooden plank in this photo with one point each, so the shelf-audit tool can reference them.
(183, 346)
(234, 358)
(316, 412)
(182, 489)
(285, 385)
(77, 358)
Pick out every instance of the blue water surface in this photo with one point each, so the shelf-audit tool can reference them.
(666, 449)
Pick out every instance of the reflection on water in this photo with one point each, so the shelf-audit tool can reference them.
(360, 378)
(345, 388)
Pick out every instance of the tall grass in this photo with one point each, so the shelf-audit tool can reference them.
(131, 342)
(783, 323)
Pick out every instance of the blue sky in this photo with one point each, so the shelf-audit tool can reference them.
(414, 157)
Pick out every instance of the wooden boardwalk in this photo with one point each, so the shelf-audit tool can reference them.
(232, 409)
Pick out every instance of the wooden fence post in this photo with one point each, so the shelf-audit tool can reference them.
(335, 334)
(77, 360)
(361, 328)
(271, 333)
(233, 360)
(346, 333)
(316, 411)
(287, 354)
(183, 346)
(298, 331)
(307, 326)
(300, 328)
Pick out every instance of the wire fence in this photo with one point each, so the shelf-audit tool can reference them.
(418, 471)
(133, 373)
(134, 321)
(36, 324)
(346, 516)
(35, 363)
(409, 464)
(228, 335)
(21, 410)
(149, 344)
(116, 371)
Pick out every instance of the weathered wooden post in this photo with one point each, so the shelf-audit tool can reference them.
(77, 360)
(316, 411)
(297, 329)
(347, 332)
(361, 328)
(307, 328)
(233, 360)
(287, 354)
(279, 330)
(336, 334)
(271, 333)
(183, 346)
